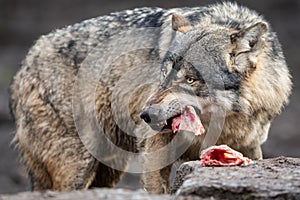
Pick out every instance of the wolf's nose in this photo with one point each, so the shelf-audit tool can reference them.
(145, 116)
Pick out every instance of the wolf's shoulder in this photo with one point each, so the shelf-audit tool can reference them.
(227, 14)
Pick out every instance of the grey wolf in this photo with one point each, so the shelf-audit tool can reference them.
(219, 58)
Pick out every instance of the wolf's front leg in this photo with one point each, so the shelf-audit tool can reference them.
(254, 152)
(157, 164)
(157, 182)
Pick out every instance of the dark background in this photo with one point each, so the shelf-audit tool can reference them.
(23, 21)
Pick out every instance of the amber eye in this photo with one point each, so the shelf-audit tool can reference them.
(190, 80)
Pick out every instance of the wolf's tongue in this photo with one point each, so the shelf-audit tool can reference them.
(188, 121)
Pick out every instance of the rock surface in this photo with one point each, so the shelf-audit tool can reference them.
(103, 194)
(277, 178)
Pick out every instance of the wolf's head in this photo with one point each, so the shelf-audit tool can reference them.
(203, 69)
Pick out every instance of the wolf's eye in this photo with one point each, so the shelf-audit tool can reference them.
(190, 80)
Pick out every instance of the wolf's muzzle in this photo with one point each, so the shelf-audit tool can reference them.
(151, 114)
(160, 117)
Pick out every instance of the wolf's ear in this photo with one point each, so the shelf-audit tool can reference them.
(251, 36)
(247, 46)
(180, 23)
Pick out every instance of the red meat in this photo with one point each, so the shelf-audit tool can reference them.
(223, 156)
(188, 121)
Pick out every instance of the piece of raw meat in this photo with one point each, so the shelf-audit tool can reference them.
(188, 121)
(223, 155)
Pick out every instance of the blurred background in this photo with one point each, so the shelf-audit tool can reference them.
(22, 22)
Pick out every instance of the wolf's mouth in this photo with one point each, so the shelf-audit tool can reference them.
(186, 121)
(168, 123)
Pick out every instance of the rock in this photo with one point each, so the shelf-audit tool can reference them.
(103, 193)
(276, 178)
